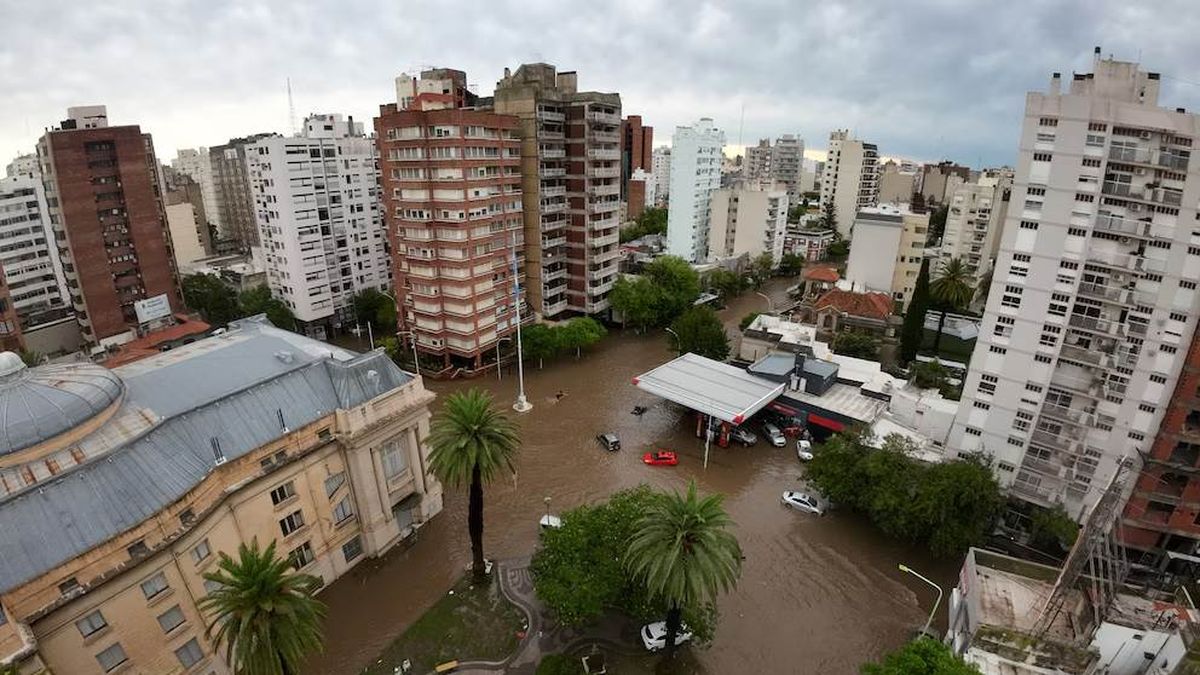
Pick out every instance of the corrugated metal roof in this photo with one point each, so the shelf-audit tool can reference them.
(230, 388)
(714, 388)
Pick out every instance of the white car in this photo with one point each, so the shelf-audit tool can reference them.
(804, 450)
(802, 502)
(774, 436)
(654, 635)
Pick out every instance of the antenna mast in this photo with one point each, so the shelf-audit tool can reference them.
(291, 108)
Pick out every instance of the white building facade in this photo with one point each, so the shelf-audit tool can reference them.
(746, 221)
(1093, 302)
(196, 164)
(696, 154)
(28, 255)
(850, 178)
(975, 220)
(661, 168)
(886, 251)
(318, 217)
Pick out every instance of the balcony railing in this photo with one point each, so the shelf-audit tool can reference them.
(1096, 325)
(551, 116)
(603, 117)
(554, 191)
(604, 172)
(551, 242)
(599, 153)
(552, 308)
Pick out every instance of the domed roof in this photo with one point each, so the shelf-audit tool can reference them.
(37, 404)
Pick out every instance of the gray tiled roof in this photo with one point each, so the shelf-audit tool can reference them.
(228, 387)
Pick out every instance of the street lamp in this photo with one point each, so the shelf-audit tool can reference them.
(909, 570)
(500, 376)
(770, 302)
(678, 342)
(546, 500)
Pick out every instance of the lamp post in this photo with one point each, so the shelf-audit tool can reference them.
(909, 570)
(500, 376)
(416, 361)
(546, 500)
(678, 342)
(770, 302)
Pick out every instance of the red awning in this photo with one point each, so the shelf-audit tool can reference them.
(832, 425)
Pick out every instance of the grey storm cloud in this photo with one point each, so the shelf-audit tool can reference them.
(923, 79)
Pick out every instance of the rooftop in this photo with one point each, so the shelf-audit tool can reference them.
(826, 274)
(726, 392)
(869, 305)
(844, 399)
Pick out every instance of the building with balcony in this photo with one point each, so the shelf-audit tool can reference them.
(572, 180)
(317, 210)
(939, 181)
(696, 154)
(886, 251)
(974, 220)
(1093, 301)
(29, 257)
(787, 162)
(196, 163)
(120, 488)
(103, 188)
(662, 175)
(850, 177)
(235, 212)
(747, 222)
(452, 196)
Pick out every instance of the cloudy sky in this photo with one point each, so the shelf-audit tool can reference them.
(924, 79)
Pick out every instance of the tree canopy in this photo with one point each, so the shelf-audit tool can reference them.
(921, 657)
(791, 264)
(937, 223)
(216, 300)
(747, 320)
(699, 330)
(856, 343)
(1052, 530)
(372, 306)
(829, 216)
(578, 333)
(652, 221)
(761, 269)
(258, 300)
(947, 506)
(666, 288)
(726, 283)
(912, 333)
(951, 290)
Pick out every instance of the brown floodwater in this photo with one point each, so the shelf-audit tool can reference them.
(817, 594)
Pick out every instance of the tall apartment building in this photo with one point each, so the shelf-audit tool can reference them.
(1093, 302)
(571, 169)
(321, 234)
(975, 219)
(258, 434)
(747, 221)
(757, 167)
(196, 163)
(886, 251)
(451, 180)
(662, 175)
(23, 165)
(696, 154)
(235, 210)
(102, 187)
(939, 181)
(29, 259)
(896, 186)
(850, 177)
(637, 145)
(183, 200)
(787, 161)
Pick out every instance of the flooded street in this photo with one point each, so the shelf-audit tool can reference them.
(817, 595)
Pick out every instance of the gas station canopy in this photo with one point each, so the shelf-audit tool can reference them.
(718, 389)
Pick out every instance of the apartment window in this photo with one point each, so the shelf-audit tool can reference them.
(1006, 467)
(1042, 358)
(1097, 126)
(394, 459)
(1095, 140)
(1160, 379)
(186, 516)
(211, 586)
(997, 350)
(973, 431)
(1035, 191)
(1076, 231)
(283, 493)
(154, 585)
(1080, 197)
(1146, 407)
(352, 549)
(171, 619)
(189, 654)
(302, 556)
(987, 384)
(292, 522)
(981, 405)
(1035, 388)
(1068, 264)
(1190, 285)
(1137, 436)
(1048, 122)
(1011, 297)
(1020, 425)
(1041, 157)
(1013, 440)
(91, 624)
(1045, 138)
(1166, 349)
(334, 482)
(112, 657)
(201, 552)
(342, 511)
(1004, 326)
(1028, 225)
(69, 586)
(1058, 304)
(1091, 162)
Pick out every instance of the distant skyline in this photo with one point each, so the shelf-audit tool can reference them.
(926, 80)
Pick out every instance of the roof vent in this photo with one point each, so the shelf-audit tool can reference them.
(218, 454)
(285, 356)
(282, 424)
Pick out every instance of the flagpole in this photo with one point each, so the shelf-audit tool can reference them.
(521, 405)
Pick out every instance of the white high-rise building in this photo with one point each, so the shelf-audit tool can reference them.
(661, 169)
(747, 221)
(1094, 300)
(315, 200)
(975, 219)
(787, 161)
(886, 251)
(23, 165)
(851, 177)
(696, 154)
(196, 164)
(28, 254)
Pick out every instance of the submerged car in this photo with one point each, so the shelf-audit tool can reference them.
(654, 635)
(743, 436)
(802, 502)
(660, 458)
(774, 436)
(609, 442)
(804, 450)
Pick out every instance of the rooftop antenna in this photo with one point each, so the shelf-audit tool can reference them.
(291, 108)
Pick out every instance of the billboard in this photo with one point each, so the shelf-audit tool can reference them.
(152, 308)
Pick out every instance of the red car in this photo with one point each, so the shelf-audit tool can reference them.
(660, 458)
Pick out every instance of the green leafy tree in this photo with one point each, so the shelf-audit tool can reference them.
(684, 553)
(1052, 529)
(216, 300)
(579, 333)
(472, 442)
(29, 357)
(678, 285)
(838, 250)
(951, 290)
(651, 221)
(700, 331)
(921, 657)
(636, 299)
(263, 613)
(958, 503)
(937, 223)
(984, 286)
(791, 264)
(928, 374)
(912, 333)
(372, 306)
(559, 664)
(748, 319)
(761, 269)
(540, 342)
(258, 300)
(725, 283)
(839, 470)
(829, 217)
(857, 344)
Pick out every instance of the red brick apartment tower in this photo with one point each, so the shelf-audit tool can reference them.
(451, 183)
(102, 186)
(637, 146)
(1162, 515)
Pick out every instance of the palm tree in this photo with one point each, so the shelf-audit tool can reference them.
(683, 552)
(471, 441)
(264, 613)
(952, 290)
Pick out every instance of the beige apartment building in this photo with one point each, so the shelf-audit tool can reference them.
(886, 251)
(119, 488)
(747, 221)
(851, 177)
(975, 220)
(571, 173)
(896, 185)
